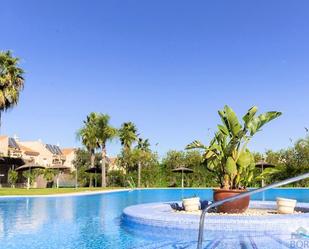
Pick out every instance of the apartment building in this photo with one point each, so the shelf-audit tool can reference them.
(14, 153)
(69, 154)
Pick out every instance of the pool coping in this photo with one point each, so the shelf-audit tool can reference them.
(86, 192)
(82, 193)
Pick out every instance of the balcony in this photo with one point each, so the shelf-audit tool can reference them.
(14, 153)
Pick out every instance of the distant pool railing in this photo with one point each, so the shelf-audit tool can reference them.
(239, 196)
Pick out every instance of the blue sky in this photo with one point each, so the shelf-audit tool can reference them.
(167, 66)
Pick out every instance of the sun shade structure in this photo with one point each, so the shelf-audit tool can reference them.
(60, 169)
(11, 161)
(182, 170)
(263, 165)
(94, 170)
(29, 167)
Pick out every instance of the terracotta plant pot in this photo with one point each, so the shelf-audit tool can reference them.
(237, 206)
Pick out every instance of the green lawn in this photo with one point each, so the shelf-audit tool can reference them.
(47, 191)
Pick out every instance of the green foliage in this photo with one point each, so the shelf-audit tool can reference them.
(11, 80)
(82, 163)
(131, 182)
(200, 177)
(12, 177)
(140, 156)
(226, 160)
(88, 135)
(128, 135)
(104, 133)
(32, 174)
(116, 178)
(95, 133)
(49, 175)
(231, 168)
(290, 162)
(227, 154)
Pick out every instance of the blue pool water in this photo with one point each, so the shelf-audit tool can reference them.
(94, 221)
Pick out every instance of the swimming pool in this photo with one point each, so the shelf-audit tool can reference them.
(94, 221)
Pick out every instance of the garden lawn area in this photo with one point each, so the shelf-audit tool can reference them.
(48, 191)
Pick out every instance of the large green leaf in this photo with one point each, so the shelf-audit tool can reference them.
(267, 117)
(231, 146)
(256, 123)
(223, 117)
(253, 126)
(212, 164)
(250, 177)
(196, 145)
(231, 167)
(267, 172)
(244, 159)
(250, 114)
(208, 154)
(223, 129)
(234, 124)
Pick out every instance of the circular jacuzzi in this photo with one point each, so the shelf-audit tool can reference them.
(163, 216)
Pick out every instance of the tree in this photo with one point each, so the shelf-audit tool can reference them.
(48, 175)
(31, 175)
(290, 162)
(12, 177)
(143, 152)
(11, 81)
(140, 163)
(116, 178)
(88, 135)
(82, 163)
(104, 133)
(128, 135)
(200, 177)
(227, 154)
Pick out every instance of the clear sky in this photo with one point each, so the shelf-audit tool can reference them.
(166, 65)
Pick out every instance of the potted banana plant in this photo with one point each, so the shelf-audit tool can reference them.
(228, 155)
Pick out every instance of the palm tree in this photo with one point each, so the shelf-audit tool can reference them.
(11, 81)
(12, 177)
(88, 135)
(143, 144)
(48, 175)
(128, 135)
(104, 133)
(143, 148)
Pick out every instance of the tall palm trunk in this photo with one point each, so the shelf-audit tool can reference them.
(139, 173)
(103, 165)
(92, 158)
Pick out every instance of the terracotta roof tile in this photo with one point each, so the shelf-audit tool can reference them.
(28, 150)
(67, 151)
(3, 137)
